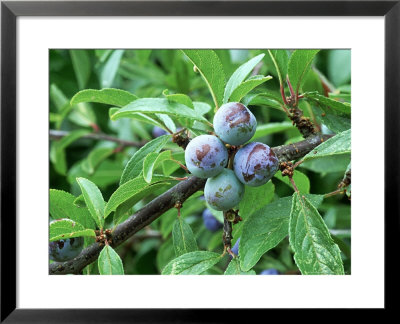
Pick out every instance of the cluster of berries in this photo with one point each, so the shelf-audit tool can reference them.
(207, 156)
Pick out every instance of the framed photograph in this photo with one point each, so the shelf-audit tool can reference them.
(159, 158)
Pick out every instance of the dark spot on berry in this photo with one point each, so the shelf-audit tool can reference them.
(247, 177)
(238, 114)
(257, 166)
(205, 148)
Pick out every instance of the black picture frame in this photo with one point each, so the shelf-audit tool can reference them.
(10, 10)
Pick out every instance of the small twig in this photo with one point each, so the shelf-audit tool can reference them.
(227, 235)
(297, 150)
(297, 164)
(58, 134)
(181, 165)
(334, 193)
(292, 93)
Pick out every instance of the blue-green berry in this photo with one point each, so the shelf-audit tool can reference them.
(255, 163)
(206, 156)
(234, 123)
(223, 191)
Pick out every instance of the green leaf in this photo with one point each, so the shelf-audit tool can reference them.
(94, 200)
(239, 75)
(143, 55)
(80, 202)
(212, 71)
(263, 230)
(67, 228)
(114, 97)
(157, 120)
(132, 190)
(248, 85)
(271, 128)
(328, 164)
(62, 205)
(201, 107)
(95, 157)
(57, 151)
(280, 58)
(109, 262)
(183, 238)
(234, 269)
(255, 198)
(190, 207)
(128, 196)
(152, 161)
(102, 55)
(330, 118)
(165, 254)
(135, 165)
(58, 97)
(82, 114)
(108, 172)
(82, 67)
(191, 263)
(160, 106)
(339, 144)
(110, 68)
(300, 179)
(339, 66)
(341, 107)
(315, 251)
(299, 65)
(268, 99)
(179, 98)
(167, 122)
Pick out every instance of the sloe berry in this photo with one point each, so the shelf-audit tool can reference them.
(235, 248)
(223, 191)
(255, 163)
(210, 222)
(234, 123)
(66, 249)
(158, 131)
(269, 272)
(206, 156)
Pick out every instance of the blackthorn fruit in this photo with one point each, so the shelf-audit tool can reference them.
(66, 249)
(158, 131)
(206, 156)
(223, 191)
(255, 163)
(235, 248)
(210, 222)
(234, 123)
(269, 272)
